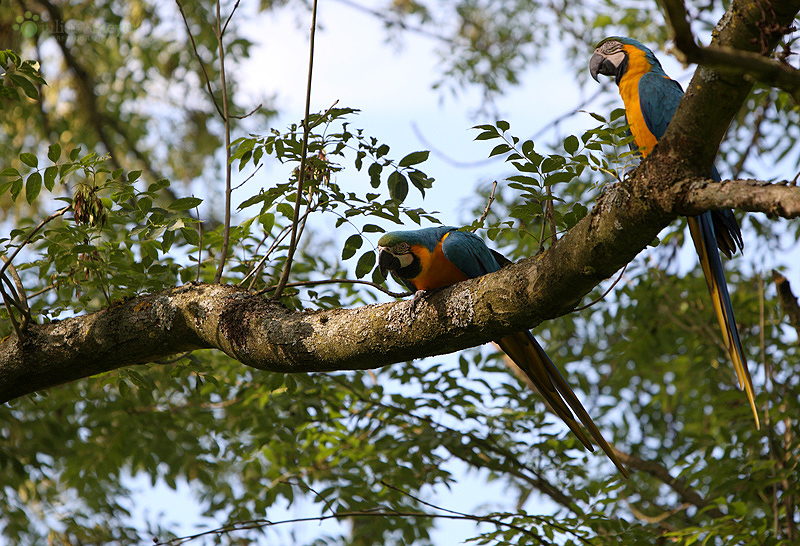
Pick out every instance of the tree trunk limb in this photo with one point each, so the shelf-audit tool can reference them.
(264, 335)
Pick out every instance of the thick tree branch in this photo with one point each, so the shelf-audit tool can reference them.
(264, 335)
(692, 138)
(722, 58)
(781, 199)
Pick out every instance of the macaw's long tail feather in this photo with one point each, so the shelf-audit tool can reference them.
(531, 358)
(726, 228)
(705, 239)
(726, 231)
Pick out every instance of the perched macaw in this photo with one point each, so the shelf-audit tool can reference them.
(651, 99)
(436, 257)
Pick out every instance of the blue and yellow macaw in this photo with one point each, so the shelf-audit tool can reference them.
(436, 257)
(651, 99)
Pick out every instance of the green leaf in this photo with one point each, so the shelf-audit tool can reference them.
(32, 186)
(414, 158)
(571, 144)
(500, 149)
(10, 171)
(488, 134)
(420, 180)
(598, 117)
(616, 114)
(352, 244)
(522, 179)
(144, 204)
(191, 235)
(16, 188)
(527, 147)
(267, 221)
(29, 159)
(503, 125)
(54, 153)
(258, 198)
(285, 209)
(26, 85)
(167, 238)
(374, 172)
(561, 176)
(50, 177)
(398, 186)
(365, 264)
(185, 203)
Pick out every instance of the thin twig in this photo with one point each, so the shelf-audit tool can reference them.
(428, 145)
(246, 180)
(304, 151)
(13, 297)
(483, 519)
(173, 359)
(200, 60)
(257, 270)
(226, 229)
(488, 204)
(739, 167)
(550, 211)
(45, 289)
(604, 294)
(230, 16)
(382, 513)
(199, 243)
(544, 228)
(248, 114)
(17, 281)
(14, 323)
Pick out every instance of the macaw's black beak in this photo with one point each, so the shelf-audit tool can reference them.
(387, 261)
(600, 65)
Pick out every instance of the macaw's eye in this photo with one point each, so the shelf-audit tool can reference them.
(401, 248)
(610, 47)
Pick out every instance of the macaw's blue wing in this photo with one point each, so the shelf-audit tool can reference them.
(705, 239)
(529, 356)
(658, 98)
(468, 253)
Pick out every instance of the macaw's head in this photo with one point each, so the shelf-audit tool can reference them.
(612, 57)
(399, 251)
(395, 254)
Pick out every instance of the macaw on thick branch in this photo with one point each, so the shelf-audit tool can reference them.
(432, 258)
(650, 99)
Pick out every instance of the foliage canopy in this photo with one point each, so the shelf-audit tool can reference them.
(114, 168)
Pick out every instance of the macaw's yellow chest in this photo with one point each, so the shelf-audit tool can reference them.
(629, 91)
(437, 271)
